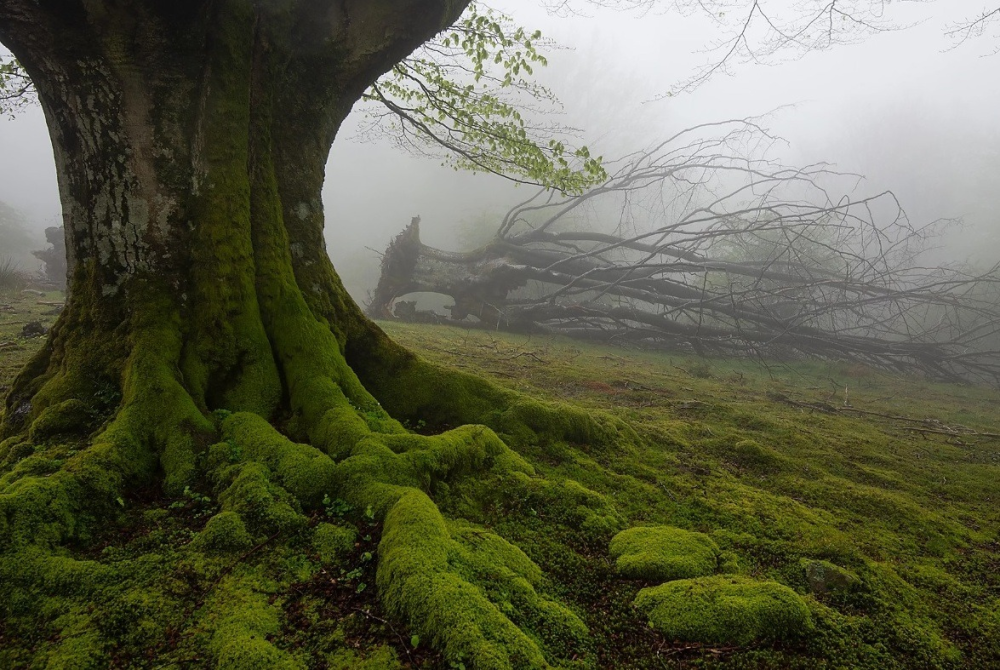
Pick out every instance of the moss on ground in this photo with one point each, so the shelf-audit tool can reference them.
(333, 542)
(725, 610)
(825, 577)
(266, 551)
(664, 553)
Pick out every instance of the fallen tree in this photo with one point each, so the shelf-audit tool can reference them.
(718, 250)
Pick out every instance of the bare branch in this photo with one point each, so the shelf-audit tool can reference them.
(972, 28)
(717, 248)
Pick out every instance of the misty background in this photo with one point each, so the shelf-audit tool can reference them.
(901, 108)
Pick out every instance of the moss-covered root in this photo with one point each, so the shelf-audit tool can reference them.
(465, 591)
(51, 500)
(443, 587)
(35, 580)
(412, 389)
(725, 610)
(664, 553)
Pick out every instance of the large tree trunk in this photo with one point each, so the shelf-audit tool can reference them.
(185, 140)
(190, 142)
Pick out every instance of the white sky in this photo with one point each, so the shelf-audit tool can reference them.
(898, 108)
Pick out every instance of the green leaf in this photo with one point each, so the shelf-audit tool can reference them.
(471, 106)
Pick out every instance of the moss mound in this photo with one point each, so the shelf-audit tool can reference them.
(224, 532)
(469, 592)
(724, 610)
(664, 553)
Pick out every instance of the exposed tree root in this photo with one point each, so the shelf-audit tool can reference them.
(464, 590)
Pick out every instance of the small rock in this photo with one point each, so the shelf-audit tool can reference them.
(825, 577)
(31, 291)
(33, 329)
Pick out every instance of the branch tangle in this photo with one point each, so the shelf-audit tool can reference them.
(721, 252)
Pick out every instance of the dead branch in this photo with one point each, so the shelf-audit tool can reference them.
(717, 250)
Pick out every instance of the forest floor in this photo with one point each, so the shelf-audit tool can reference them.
(786, 467)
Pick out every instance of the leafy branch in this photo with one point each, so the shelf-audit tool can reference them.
(16, 89)
(467, 97)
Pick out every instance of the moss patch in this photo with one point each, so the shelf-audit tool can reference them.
(332, 542)
(724, 610)
(224, 532)
(664, 553)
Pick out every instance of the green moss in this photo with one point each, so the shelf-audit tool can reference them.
(458, 453)
(83, 360)
(512, 581)
(13, 450)
(333, 542)
(750, 454)
(306, 472)
(84, 651)
(265, 507)
(416, 582)
(339, 429)
(224, 532)
(664, 553)
(724, 610)
(413, 390)
(243, 620)
(34, 465)
(565, 502)
(58, 574)
(380, 658)
(42, 510)
(227, 359)
(529, 421)
(64, 418)
(50, 509)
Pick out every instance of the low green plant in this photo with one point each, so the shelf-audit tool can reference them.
(336, 507)
(191, 500)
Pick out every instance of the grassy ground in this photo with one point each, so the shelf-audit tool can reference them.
(18, 309)
(892, 479)
(807, 461)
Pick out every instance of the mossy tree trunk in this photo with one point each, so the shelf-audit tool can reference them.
(190, 141)
(190, 146)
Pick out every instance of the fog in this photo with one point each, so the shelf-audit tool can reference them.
(900, 108)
